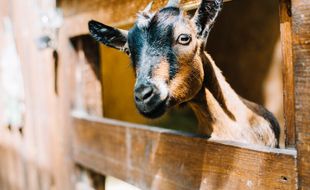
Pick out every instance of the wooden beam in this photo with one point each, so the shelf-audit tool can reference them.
(288, 71)
(36, 150)
(154, 158)
(301, 57)
(77, 12)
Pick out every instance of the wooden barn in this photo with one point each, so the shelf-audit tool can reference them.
(67, 113)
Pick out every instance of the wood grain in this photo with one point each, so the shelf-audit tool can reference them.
(88, 95)
(154, 158)
(63, 163)
(301, 58)
(74, 7)
(77, 12)
(31, 155)
(12, 162)
(287, 70)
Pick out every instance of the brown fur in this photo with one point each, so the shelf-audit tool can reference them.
(221, 113)
(186, 74)
(161, 72)
(247, 126)
(187, 82)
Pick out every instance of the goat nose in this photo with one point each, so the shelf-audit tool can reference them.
(143, 93)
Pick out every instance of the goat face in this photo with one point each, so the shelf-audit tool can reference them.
(165, 50)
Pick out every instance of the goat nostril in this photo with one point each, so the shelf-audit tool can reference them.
(147, 92)
(144, 93)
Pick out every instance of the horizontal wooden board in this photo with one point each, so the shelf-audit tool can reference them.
(77, 13)
(154, 158)
(74, 7)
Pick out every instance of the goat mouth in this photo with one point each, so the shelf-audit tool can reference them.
(153, 112)
(158, 111)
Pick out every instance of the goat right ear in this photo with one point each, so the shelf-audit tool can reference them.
(205, 16)
(112, 37)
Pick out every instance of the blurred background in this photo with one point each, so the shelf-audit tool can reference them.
(244, 43)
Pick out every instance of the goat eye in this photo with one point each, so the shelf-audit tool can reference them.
(184, 39)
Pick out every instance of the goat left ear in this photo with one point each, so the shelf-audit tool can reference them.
(112, 37)
(205, 16)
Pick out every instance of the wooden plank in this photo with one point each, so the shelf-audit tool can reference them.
(287, 70)
(74, 7)
(34, 147)
(154, 158)
(14, 170)
(13, 162)
(301, 57)
(77, 12)
(62, 154)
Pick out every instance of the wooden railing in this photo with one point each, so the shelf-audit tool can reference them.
(156, 158)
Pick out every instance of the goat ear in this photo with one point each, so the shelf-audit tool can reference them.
(205, 16)
(112, 37)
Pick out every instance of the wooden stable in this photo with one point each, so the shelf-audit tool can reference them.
(76, 137)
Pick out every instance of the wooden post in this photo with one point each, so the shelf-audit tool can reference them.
(63, 163)
(287, 70)
(38, 73)
(301, 58)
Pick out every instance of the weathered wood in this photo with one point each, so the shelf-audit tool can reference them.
(88, 76)
(63, 163)
(71, 57)
(288, 70)
(73, 7)
(301, 58)
(77, 12)
(34, 150)
(12, 161)
(154, 158)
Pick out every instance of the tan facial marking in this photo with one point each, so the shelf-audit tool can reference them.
(161, 77)
(187, 82)
(161, 72)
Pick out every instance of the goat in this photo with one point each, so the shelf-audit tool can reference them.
(167, 51)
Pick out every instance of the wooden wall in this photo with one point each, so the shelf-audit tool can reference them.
(301, 59)
(52, 142)
(26, 160)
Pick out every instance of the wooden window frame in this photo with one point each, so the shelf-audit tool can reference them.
(153, 157)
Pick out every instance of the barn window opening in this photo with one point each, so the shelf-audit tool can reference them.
(250, 60)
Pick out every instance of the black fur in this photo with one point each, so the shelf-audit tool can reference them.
(205, 16)
(150, 42)
(156, 40)
(136, 40)
(109, 36)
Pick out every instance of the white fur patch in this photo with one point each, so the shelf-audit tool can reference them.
(163, 89)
